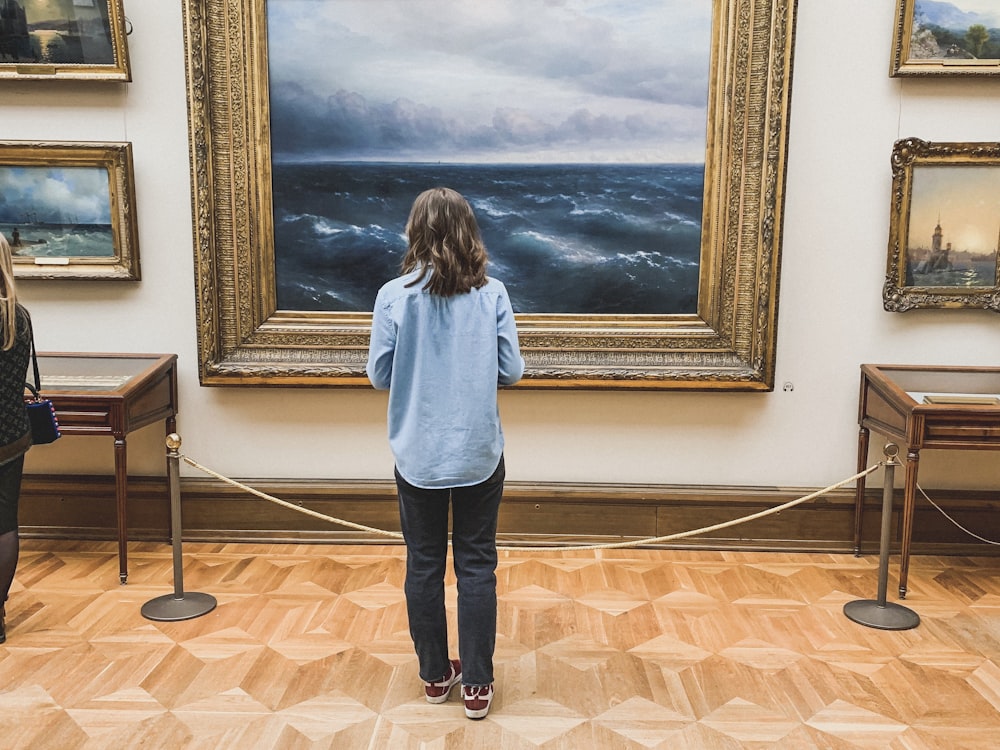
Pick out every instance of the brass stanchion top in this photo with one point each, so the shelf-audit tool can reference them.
(891, 451)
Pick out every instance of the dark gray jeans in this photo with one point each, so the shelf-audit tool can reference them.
(424, 518)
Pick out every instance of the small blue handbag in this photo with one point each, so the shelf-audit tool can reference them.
(41, 411)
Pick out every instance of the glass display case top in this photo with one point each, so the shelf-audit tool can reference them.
(91, 372)
(946, 386)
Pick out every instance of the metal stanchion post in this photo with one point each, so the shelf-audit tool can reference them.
(179, 605)
(878, 613)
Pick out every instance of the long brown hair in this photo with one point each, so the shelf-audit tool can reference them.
(8, 298)
(444, 240)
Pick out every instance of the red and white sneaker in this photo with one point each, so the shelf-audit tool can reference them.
(438, 691)
(477, 700)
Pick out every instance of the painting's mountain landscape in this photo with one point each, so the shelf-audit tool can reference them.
(963, 30)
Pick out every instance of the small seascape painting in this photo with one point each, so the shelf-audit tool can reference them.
(953, 37)
(944, 227)
(67, 209)
(577, 134)
(56, 212)
(63, 39)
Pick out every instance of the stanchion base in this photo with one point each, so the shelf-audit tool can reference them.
(888, 616)
(170, 609)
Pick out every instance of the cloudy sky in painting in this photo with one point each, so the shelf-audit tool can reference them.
(965, 199)
(71, 195)
(987, 9)
(488, 81)
(44, 10)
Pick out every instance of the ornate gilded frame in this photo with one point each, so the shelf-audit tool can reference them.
(116, 70)
(903, 63)
(903, 289)
(112, 159)
(243, 339)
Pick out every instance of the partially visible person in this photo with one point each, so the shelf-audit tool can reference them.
(443, 339)
(15, 431)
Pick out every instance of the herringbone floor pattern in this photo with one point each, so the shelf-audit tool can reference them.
(308, 648)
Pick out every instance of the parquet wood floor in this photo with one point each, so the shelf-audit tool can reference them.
(308, 648)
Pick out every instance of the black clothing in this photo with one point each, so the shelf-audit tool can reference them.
(15, 432)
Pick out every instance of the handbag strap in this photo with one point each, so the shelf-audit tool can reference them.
(34, 357)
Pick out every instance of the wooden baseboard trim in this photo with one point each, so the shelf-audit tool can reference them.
(532, 513)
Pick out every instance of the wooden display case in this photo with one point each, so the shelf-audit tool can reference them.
(111, 394)
(924, 407)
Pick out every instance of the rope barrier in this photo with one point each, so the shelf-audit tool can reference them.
(718, 526)
(953, 521)
(292, 506)
(608, 545)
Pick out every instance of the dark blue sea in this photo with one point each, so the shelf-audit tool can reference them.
(60, 240)
(565, 239)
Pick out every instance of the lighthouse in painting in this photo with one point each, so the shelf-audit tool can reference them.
(939, 259)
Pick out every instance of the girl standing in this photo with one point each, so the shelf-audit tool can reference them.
(443, 339)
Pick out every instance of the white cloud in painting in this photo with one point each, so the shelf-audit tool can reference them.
(61, 195)
(556, 80)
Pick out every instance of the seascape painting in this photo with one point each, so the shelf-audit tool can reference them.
(577, 130)
(954, 227)
(56, 212)
(956, 31)
(56, 32)
(626, 161)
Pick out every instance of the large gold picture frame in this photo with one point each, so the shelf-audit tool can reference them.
(729, 344)
(48, 40)
(944, 226)
(69, 210)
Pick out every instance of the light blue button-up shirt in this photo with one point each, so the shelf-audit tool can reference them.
(442, 359)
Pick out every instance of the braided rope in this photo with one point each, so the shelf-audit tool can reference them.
(954, 522)
(609, 545)
(292, 506)
(716, 527)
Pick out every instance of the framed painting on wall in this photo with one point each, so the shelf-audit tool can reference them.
(630, 191)
(63, 39)
(959, 37)
(68, 210)
(944, 227)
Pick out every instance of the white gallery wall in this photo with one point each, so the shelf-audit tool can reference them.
(845, 115)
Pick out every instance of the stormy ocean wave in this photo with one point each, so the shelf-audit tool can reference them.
(60, 240)
(565, 239)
